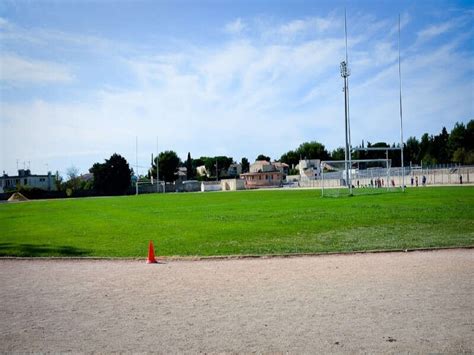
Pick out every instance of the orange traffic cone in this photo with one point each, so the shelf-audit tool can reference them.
(151, 254)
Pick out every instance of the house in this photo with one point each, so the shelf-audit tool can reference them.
(261, 166)
(88, 177)
(234, 170)
(309, 169)
(26, 179)
(181, 174)
(282, 167)
(262, 174)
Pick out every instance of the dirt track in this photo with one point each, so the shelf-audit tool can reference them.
(395, 302)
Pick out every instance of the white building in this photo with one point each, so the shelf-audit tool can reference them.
(262, 166)
(26, 179)
(309, 168)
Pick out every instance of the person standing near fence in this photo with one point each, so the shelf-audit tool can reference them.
(460, 179)
(416, 181)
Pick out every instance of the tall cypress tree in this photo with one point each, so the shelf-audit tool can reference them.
(189, 167)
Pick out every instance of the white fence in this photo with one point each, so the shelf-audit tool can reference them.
(438, 176)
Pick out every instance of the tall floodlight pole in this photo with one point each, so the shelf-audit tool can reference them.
(136, 164)
(348, 110)
(401, 111)
(157, 168)
(345, 72)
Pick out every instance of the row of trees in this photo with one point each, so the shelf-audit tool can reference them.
(168, 163)
(444, 148)
(114, 176)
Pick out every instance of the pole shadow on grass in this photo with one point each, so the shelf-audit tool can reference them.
(36, 250)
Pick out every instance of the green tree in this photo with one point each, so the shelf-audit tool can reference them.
(338, 154)
(291, 158)
(263, 157)
(469, 138)
(189, 167)
(245, 165)
(412, 150)
(112, 177)
(377, 154)
(425, 148)
(439, 148)
(73, 182)
(168, 162)
(58, 181)
(307, 150)
(457, 138)
(459, 156)
(222, 161)
(312, 150)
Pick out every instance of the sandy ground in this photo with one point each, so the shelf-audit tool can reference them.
(393, 302)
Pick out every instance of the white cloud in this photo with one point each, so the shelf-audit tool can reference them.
(435, 30)
(3, 23)
(244, 96)
(235, 27)
(313, 24)
(17, 71)
(405, 19)
(56, 40)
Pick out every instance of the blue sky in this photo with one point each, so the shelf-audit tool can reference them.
(81, 80)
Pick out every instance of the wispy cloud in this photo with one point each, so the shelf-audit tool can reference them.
(313, 24)
(463, 20)
(435, 30)
(235, 27)
(3, 23)
(19, 71)
(265, 89)
(14, 35)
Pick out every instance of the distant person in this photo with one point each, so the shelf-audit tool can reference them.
(460, 179)
(393, 183)
(412, 181)
(424, 180)
(371, 183)
(416, 181)
(357, 183)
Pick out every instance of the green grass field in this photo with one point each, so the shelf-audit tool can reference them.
(232, 223)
